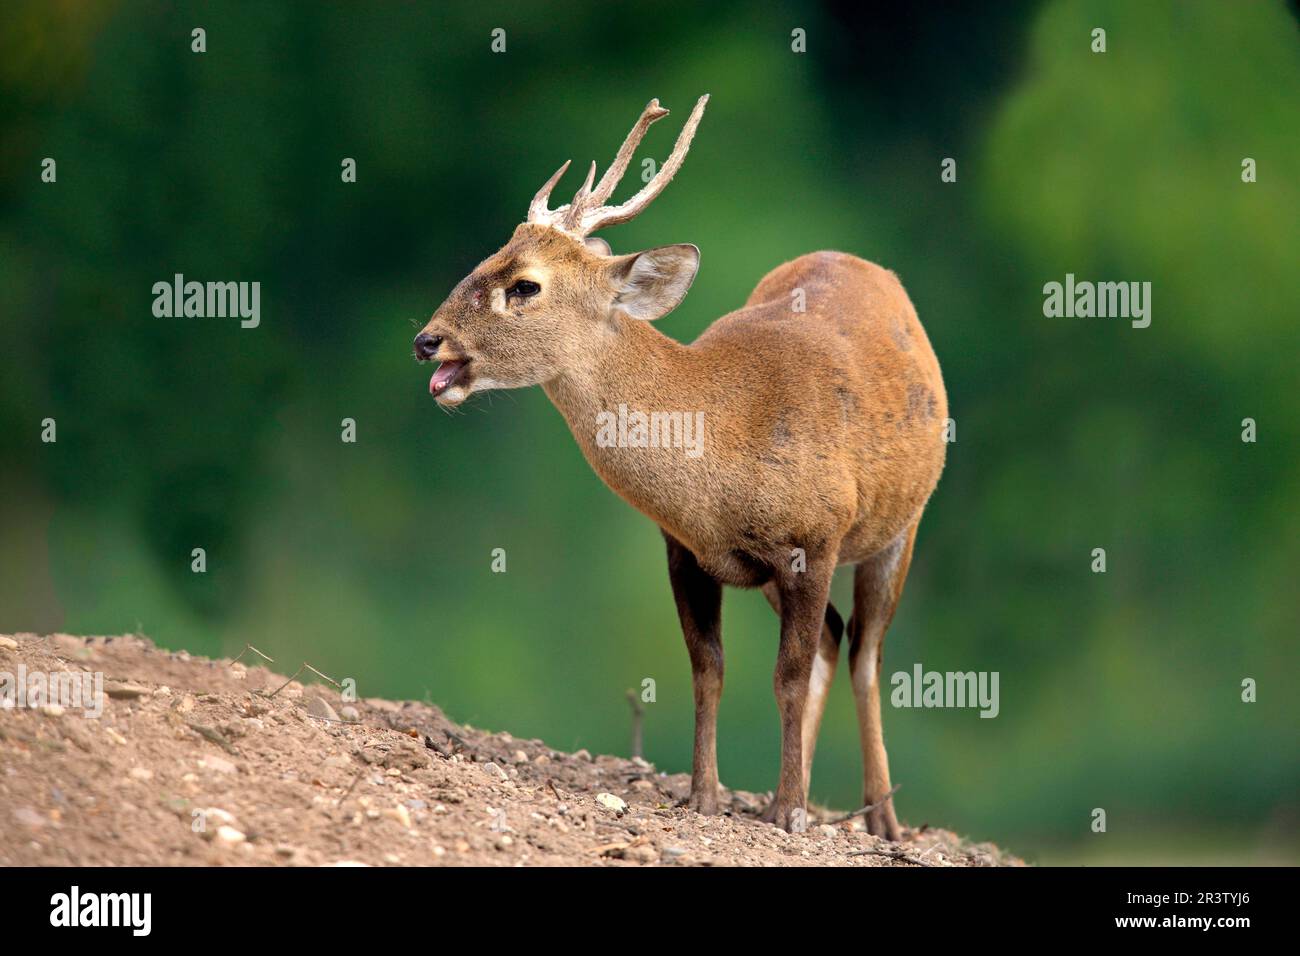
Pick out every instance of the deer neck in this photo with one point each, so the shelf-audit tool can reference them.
(637, 369)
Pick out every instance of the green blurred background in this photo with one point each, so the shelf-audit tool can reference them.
(372, 560)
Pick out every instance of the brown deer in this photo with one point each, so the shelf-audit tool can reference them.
(822, 407)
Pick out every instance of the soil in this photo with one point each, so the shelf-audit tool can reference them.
(213, 762)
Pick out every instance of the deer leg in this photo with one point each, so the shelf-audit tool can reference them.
(803, 598)
(819, 683)
(699, 608)
(877, 586)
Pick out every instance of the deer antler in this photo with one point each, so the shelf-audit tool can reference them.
(588, 212)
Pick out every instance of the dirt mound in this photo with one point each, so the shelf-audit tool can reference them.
(194, 761)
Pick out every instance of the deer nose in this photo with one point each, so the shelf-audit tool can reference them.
(426, 346)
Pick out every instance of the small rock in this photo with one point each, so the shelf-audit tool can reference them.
(53, 710)
(218, 816)
(611, 802)
(521, 757)
(350, 714)
(163, 691)
(219, 764)
(29, 818)
(229, 836)
(185, 705)
(827, 830)
(400, 814)
(674, 852)
(492, 770)
(318, 707)
(583, 754)
(124, 691)
(8, 644)
(141, 773)
(542, 760)
(645, 853)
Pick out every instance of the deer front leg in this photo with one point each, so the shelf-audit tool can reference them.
(803, 599)
(699, 607)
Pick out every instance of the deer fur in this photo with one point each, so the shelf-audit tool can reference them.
(822, 444)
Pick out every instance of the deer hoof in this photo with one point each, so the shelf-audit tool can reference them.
(789, 819)
(702, 802)
(882, 823)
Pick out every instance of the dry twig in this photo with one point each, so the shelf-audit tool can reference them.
(868, 808)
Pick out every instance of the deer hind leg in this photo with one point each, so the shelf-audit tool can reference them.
(819, 681)
(803, 599)
(699, 608)
(877, 586)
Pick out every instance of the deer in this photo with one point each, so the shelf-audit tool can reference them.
(823, 410)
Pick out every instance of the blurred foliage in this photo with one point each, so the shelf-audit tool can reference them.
(372, 560)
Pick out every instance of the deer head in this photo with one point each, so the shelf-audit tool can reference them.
(553, 296)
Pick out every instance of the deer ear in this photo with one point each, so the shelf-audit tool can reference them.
(648, 285)
(598, 245)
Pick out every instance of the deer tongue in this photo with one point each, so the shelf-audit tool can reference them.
(444, 375)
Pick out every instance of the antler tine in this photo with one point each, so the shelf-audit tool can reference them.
(588, 212)
(581, 200)
(605, 188)
(613, 215)
(537, 211)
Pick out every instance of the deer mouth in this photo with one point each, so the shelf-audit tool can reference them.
(449, 373)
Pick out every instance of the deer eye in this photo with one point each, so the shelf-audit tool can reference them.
(523, 288)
